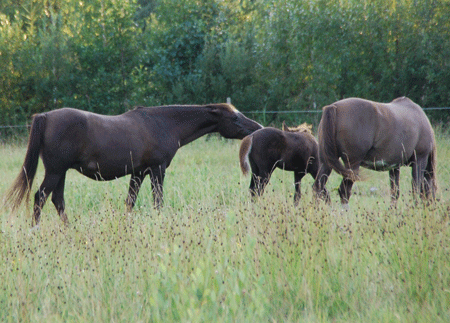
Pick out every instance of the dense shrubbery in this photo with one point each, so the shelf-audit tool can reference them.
(110, 55)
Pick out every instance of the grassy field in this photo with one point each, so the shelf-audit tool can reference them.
(212, 255)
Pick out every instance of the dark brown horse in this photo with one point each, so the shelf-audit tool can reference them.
(266, 149)
(138, 143)
(380, 137)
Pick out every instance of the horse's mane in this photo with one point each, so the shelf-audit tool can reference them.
(226, 106)
(304, 127)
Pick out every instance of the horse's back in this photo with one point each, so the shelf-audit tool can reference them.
(74, 136)
(73, 124)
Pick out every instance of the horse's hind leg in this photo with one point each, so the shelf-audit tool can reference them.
(429, 186)
(418, 173)
(394, 177)
(58, 199)
(320, 181)
(256, 187)
(345, 190)
(133, 191)
(259, 179)
(258, 184)
(49, 184)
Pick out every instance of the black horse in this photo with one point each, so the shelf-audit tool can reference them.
(139, 142)
(294, 149)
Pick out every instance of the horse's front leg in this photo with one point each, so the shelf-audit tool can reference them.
(394, 177)
(157, 175)
(133, 191)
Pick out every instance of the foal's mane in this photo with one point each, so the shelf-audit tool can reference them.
(304, 127)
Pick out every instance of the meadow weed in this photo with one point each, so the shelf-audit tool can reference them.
(212, 255)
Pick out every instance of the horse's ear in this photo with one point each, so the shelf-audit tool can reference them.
(283, 126)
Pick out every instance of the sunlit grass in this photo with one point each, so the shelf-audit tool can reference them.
(212, 255)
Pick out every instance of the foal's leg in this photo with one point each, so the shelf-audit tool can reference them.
(298, 193)
(50, 182)
(157, 177)
(133, 191)
(260, 178)
(394, 176)
(58, 199)
(258, 183)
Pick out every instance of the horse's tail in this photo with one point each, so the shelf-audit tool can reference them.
(328, 150)
(430, 172)
(244, 151)
(24, 181)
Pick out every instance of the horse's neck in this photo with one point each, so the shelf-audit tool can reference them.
(191, 125)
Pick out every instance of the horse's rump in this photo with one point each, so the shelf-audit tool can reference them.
(328, 147)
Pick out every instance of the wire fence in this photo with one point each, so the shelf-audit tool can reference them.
(247, 112)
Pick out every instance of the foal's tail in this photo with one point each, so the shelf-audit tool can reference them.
(22, 184)
(244, 151)
(328, 150)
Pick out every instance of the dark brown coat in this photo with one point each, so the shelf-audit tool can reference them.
(270, 148)
(138, 143)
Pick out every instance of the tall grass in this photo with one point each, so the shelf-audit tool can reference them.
(212, 255)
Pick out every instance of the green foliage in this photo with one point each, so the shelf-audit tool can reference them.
(110, 55)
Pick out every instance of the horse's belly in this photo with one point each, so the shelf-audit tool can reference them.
(379, 165)
(101, 171)
(384, 160)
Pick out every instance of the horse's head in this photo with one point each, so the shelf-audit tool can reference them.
(231, 123)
